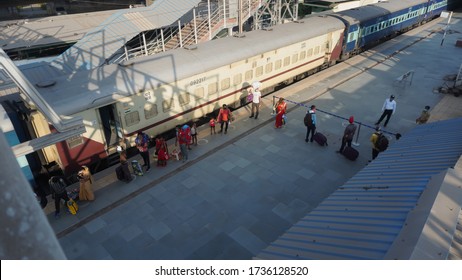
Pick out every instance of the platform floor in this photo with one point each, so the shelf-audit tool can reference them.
(240, 191)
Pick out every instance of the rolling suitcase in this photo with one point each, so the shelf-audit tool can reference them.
(350, 153)
(119, 173)
(137, 168)
(126, 172)
(320, 138)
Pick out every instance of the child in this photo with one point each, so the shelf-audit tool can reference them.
(194, 134)
(212, 126)
(162, 157)
(176, 154)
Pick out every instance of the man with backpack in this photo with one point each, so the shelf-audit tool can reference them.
(379, 142)
(58, 190)
(310, 123)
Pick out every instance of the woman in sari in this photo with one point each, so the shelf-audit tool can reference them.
(281, 107)
(86, 182)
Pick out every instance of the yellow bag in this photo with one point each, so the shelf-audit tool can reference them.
(72, 206)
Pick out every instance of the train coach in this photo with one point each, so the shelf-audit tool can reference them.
(369, 25)
(158, 92)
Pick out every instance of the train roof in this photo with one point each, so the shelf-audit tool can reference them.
(95, 88)
(365, 13)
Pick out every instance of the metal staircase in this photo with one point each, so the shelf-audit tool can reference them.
(209, 22)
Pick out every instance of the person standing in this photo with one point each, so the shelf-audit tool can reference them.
(223, 117)
(142, 144)
(310, 123)
(348, 134)
(86, 182)
(424, 116)
(212, 126)
(58, 189)
(194, 133)
(374, 140)
(256, 99)
(388, 108)
(281, 107)
(183, 141)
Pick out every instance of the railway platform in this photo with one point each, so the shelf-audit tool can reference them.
(240, 191)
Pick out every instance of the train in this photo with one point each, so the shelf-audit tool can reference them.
(156, 93)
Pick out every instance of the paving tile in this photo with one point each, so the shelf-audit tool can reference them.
(248, 240)
(131, 232)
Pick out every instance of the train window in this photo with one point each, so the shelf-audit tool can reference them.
(286, 60)
(199, 93)
(269, 67)
(316, 50)
(310, 52)
(248, 75)
(237, 80)
(183, 98)
(302, 55)
(213, 88)
(259, 71)
(132, 118)
(167, 105)
(150, 111)
(225, 83)
(74, 141)
(277, 64)
(294, 58)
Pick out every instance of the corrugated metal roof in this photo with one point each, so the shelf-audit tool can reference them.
(362, 219)
(52, 30)
(103, 41)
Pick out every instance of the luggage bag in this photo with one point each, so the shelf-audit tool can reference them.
(320, 138)
(350, 153)
(123, 172)
(72, 206)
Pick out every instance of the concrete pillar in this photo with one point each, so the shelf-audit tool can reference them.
(25, 232)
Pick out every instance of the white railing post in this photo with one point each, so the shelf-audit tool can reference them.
(163, 39)
(126, 53)
(210, 22)
(224, 13)
(145, 44)
(179, 32)
(195, 25)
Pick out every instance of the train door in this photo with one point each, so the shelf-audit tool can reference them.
(112, 130)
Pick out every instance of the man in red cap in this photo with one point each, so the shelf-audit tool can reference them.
(348, 134)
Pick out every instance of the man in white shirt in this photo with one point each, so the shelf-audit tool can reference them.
(256, 103)
(388, 108)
